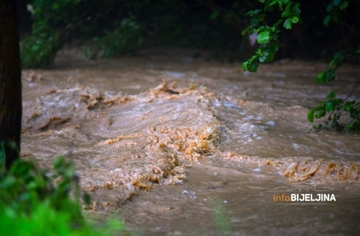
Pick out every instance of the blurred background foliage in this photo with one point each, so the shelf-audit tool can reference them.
(109, 28)
(234, 30)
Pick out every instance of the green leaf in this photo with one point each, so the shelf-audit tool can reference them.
(327, 20)
(250, 13)
(348, 106)
(288, 23)
(329, 106)
(310, 115)
(267, 56)
(263, 57)
(320, 112)
(244, 31)
(252, 66)
(338, 60)
(332, 63)
(295, 19)
(330, 7)
(327, 76)
(320, 77)
(244, 65)
(296, 8)
(263, 37)
(272, 2)
(331, 95)
(344, 5)
(336, 2)
(214, 15)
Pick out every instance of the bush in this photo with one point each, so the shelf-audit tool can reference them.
(52, 24)
(31, 204)
(38, 51)
(125, 38)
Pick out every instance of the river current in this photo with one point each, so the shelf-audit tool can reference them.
(178, 144)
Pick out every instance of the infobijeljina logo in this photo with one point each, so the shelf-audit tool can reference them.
(304, 193)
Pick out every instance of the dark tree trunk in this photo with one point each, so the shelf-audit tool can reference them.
(10, 82)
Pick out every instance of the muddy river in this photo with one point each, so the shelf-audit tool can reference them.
(176, 143)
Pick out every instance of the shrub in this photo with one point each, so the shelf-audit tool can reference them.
(125, 38)
(31, 203)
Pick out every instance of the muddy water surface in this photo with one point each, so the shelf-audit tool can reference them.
(182, 146)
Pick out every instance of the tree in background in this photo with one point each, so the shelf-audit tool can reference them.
(10, 83)
(282, 28)
(58, 22)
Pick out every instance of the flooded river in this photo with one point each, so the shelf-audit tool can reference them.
(177, 144)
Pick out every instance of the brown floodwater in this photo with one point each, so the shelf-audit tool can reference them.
(176, 144)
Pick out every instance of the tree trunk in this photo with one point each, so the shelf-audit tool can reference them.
(10, 82)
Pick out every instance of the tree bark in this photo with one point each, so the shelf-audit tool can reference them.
(10, 82)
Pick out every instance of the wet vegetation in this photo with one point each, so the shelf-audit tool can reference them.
(34, 203)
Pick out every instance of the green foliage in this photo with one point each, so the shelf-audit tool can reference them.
(267, 39)
(267, 35)
(125, 38)
(45, 220)
(26, 186)
(31, 204)
(52, 22)
(55, 22)
(335, 63)
(335, 9)
(334, 107)
(40, 50)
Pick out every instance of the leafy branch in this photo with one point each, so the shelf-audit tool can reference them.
(267, 36)
(267, 39)
(333, 105)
